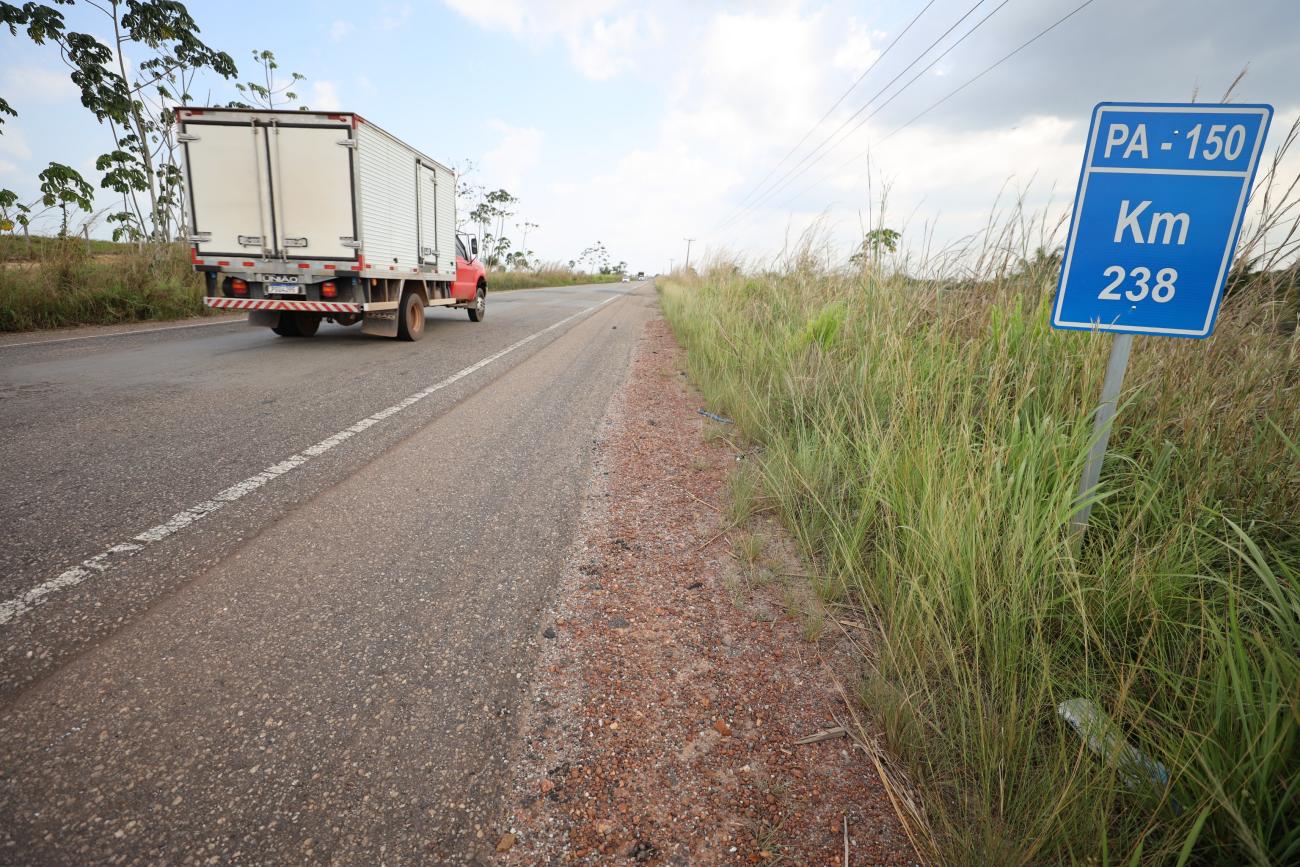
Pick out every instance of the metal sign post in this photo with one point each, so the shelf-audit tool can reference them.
(1156, 217)
(1110, 389)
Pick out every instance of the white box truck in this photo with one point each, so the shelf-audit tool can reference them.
(299, 216)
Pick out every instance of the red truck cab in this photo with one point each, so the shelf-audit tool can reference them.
(471, 278)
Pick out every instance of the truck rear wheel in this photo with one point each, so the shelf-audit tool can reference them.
(479, 310)
(410, 320)
(297, 325)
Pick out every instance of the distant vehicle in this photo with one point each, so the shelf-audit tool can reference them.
(640, 275)
(299, 216)
(626, 279)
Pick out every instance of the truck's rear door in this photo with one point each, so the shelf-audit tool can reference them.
(311, 170)
(229, 196)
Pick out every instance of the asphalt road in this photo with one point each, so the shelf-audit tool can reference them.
(273, 600)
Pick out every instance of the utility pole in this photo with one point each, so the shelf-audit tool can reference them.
(671, 262)
(688, 252)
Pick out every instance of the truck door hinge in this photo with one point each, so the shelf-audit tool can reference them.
(200, 237)
(186, 137)
(295, 242)
(249, 240)
(350, 242)
(347, 143)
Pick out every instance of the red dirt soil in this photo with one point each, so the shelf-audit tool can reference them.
(673, 687)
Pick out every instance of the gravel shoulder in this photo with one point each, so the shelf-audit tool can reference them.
(675, 679)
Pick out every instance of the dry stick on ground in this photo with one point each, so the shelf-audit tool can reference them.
(695, 498)
(823, 735)
(716, 536)
(894, 781)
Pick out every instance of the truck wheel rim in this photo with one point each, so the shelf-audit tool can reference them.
(414, 318)
(480, 302)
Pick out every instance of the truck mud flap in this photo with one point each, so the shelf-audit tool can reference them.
(381, 323)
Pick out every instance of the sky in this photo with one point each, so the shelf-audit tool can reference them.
(642, 124)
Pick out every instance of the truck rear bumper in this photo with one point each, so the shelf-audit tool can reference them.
(289, 304)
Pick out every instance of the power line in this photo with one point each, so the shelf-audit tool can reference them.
(993, 66)
(812, 129)
(1058, 22)
(793, 175)
(868, 103)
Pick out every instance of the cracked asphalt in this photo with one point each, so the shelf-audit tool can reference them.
(330, 669)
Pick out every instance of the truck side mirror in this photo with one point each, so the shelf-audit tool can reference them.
(473, 246)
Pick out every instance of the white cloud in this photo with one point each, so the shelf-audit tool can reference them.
(7, 168)
(324, 96)
(859, 49)
(40, 84)
(601, 42)
(604, 48)
(12, 143)
(341, 30)
(735, 90)
(742, 93)
(515, 156)
(538, 17)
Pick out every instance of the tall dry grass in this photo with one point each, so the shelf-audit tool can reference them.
(923, 439)
(58, 283)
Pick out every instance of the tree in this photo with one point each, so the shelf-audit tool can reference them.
(494, 210)
(264, 95)
(874, 244)
(596, 256)
(61, 186)
(467, 192)
(138, 111)
(13, 212)
(524, 228)
(500, 204)
(1044, 263)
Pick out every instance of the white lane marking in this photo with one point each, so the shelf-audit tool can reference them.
(227, 321)
(102, 562)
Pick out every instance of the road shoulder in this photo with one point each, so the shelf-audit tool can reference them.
(676, 679)
(81, 332)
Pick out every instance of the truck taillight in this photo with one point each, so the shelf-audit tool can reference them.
(329, 290)
(239, 287)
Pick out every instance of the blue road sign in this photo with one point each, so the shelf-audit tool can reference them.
(1156, 216)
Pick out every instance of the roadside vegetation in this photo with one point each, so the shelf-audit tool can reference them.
(501, 281)
(924, 438)
(56, 283)
(60, 284)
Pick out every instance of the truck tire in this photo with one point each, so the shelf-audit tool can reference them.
(297, 325)
(410, 316)
(479, 310)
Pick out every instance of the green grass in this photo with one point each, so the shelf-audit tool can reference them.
(15, 247)
(62, 286)
(923, 441)
(504, 281)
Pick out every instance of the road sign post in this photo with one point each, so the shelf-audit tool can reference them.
(1156, 218)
